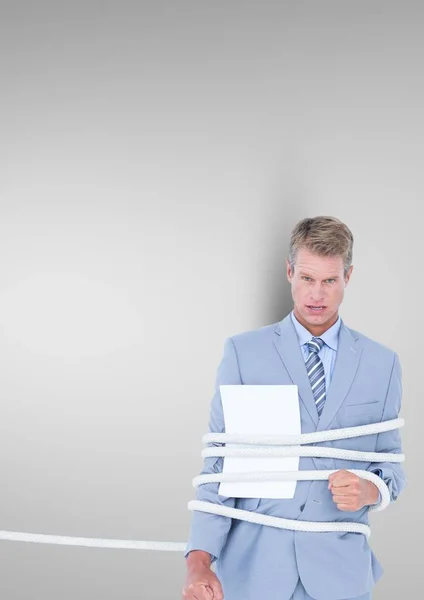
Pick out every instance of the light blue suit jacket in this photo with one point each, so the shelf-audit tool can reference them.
(257, 562)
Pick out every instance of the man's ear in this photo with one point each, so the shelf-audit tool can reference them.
(347, 278)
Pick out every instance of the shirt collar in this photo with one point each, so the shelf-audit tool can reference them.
(330, 337)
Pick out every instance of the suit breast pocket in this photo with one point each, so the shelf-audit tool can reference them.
(359, 409)
(353, 415)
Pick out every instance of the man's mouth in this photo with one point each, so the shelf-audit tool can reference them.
(316, 308)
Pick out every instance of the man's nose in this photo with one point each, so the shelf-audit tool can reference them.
(318, 292)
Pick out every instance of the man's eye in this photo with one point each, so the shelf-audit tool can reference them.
(331, 280)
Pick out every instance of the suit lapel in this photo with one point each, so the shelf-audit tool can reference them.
(347, 361)
(287, 345)
(348, 355)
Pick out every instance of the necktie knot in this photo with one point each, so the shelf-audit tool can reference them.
(315, 344)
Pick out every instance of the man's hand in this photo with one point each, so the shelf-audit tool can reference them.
(351, 492)
(201, 582)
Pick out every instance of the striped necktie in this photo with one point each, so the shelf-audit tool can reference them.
(315, 370)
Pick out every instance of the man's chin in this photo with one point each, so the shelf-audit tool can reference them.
(313, 317)
(316, 319)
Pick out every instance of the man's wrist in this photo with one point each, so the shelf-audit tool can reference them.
(198, 558)
(374, 493)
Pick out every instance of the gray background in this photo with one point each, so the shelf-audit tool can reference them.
(154, 158)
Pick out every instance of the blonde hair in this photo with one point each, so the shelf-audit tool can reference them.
(325, 236)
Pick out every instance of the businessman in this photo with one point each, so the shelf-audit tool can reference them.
(344, 379)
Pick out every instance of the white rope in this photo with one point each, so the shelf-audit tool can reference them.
(293, 524)
(298, 475)
(41, 538)
(304, 438)
(299, 451)
(269, 449)
(261, 519)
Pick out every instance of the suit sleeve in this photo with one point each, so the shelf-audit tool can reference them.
(209, 532)
(390, 441)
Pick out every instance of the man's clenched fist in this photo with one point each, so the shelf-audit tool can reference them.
(351, 492)
(201, 582)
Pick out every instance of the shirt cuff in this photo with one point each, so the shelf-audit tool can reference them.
(378, 472)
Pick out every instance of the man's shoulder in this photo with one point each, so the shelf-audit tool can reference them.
(254, 335)
(371, 344)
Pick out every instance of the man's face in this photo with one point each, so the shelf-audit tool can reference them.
(317, 281)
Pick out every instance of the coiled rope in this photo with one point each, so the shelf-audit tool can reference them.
(264, 446)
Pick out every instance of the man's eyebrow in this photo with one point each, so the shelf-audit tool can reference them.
(308, 275)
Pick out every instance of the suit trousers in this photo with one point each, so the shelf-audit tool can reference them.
(301, 594)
